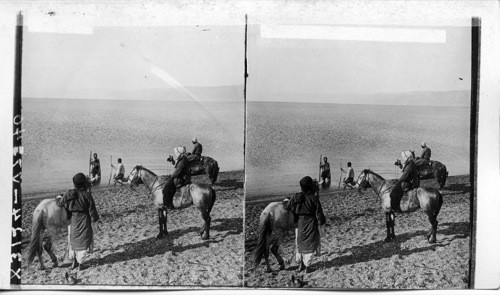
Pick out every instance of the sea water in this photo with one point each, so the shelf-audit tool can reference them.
(60, 133)
(285, 141)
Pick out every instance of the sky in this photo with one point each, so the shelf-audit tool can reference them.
(346, 61)
(116, 60)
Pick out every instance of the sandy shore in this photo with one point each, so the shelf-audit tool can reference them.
(128, 253)
(355, 256)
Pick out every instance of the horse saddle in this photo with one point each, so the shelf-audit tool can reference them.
(197, 166)
(410, 201)
(425, 169)
(180, 182)
(182, 197)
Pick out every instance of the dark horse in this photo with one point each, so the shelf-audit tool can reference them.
(201, 195)
(429, 199)
(206, 165)
(275, 218)
(434, 169)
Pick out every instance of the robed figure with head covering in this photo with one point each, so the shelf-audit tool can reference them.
(409, 180)
(82, 211)
(309, 213)
(425, 156)
(178, 178)
(195, 155)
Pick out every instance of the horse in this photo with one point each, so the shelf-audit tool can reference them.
(434, 169)
(429, 199)
(207, 166)
(201, 195)
(47, 216)
(275, 218)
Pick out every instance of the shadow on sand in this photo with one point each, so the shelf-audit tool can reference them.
(228, 184)
(152, 246)
(456, 189)
(381, 249)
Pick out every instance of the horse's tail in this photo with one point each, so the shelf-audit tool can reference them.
(35, 246)
(264, 230)
(212, 199)
(439, 201)
(442, 174)
(215, 171)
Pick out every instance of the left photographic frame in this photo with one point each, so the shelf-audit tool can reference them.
(140, 112)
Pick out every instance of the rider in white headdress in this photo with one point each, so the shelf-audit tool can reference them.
(409, 180)
(178, 178)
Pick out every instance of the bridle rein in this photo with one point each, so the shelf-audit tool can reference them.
(151, 190)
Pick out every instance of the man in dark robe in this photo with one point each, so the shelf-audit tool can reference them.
(83, 213)
(409, 180)
(307, 209)
(195, 155)
(178, 178)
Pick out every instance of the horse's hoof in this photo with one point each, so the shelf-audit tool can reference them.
(160, 236)
(432, 240)
(55, 265)
(389, 239)
(282, 267)
(205, 237)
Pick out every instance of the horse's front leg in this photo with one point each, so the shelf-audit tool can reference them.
(393, 223)
(389, 223)
(162, 222)
(165, 218)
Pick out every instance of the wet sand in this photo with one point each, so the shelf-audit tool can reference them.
(128, 253)
(354, 254)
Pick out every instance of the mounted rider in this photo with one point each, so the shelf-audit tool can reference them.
(425, 157)
(408, 180)
(195, 155)
(178, 178)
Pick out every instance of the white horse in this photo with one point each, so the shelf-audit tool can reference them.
(47, 216)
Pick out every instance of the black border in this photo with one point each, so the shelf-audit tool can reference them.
(15, 265)
(474, 112)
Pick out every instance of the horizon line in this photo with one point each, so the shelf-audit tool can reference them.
(130, 99)
(367, 104)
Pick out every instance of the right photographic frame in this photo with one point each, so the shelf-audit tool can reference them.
(360, 156)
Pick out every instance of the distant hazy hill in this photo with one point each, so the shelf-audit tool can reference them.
(421, 98)
(205, 94)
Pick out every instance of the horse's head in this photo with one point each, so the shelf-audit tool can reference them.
(134, 178)
(362, 182)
